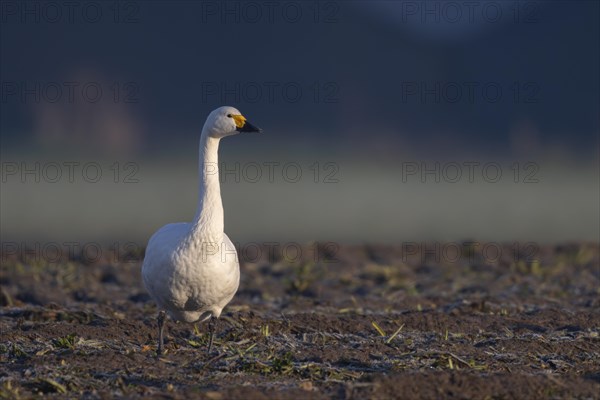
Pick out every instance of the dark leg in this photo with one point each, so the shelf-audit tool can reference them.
(211, 327)
(161, 325)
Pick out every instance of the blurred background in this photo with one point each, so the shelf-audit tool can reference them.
(384, 121)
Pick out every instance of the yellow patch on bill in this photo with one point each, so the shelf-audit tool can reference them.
(240, 120)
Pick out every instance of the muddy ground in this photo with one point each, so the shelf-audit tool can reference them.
(351, 322)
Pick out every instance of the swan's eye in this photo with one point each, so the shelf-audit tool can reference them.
(229, 115)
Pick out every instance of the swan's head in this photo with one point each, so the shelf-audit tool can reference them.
(227, 121)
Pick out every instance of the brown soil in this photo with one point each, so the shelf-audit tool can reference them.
(352, 323)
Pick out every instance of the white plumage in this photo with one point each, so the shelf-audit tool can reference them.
(191, 270)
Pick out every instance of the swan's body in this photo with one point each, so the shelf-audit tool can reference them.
(191, 270)
(189, 278)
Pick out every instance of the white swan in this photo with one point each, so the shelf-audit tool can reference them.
(191, 269)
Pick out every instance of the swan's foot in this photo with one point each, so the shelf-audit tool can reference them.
(211, 327)
(161, 324)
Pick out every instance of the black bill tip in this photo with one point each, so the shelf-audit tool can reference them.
(248, 127)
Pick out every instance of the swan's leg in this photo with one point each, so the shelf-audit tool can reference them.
(161, 325)
(211, 327)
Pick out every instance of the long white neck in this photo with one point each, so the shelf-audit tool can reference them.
(208, 221)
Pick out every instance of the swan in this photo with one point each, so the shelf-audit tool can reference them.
(191, 269)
